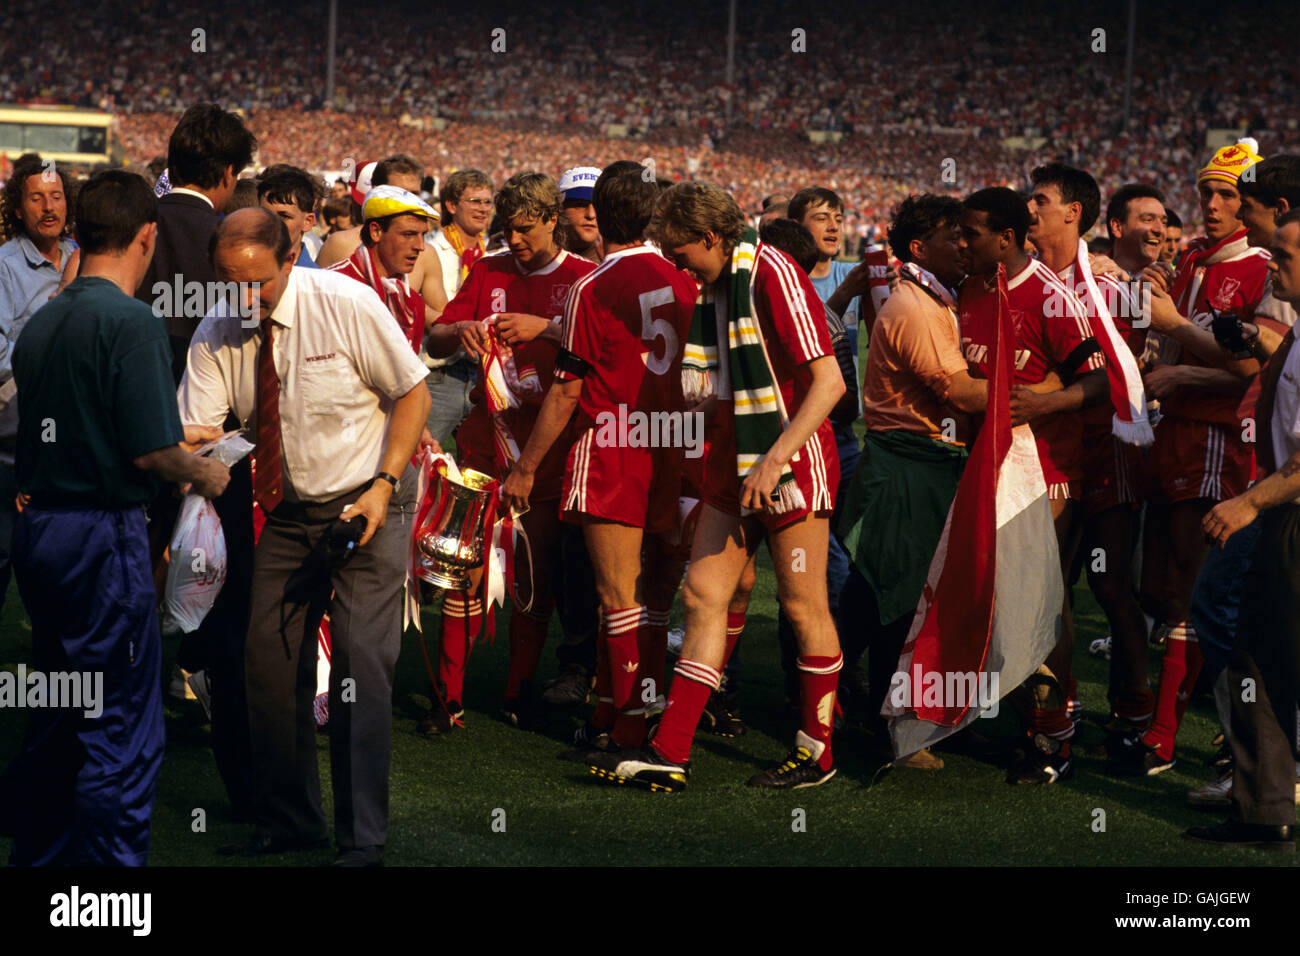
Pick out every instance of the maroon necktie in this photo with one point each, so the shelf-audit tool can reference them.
(268, 488)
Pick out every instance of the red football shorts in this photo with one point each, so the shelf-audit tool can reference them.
(1059, 440)
(1197, 460)
(634, 486)
(1112, 474)
(816, 470)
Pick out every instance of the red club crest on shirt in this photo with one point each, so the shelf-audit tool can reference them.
(558, 294)
(1223, 296)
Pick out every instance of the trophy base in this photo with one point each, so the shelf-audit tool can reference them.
(447, 581)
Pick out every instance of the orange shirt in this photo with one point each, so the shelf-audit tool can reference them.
(915, 340)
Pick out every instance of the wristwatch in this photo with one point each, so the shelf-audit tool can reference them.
(385, 476)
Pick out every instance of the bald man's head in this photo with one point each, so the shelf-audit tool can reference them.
(251, 247)
(252, 226)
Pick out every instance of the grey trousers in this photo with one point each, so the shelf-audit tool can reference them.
(1263, 675)
(293, 578)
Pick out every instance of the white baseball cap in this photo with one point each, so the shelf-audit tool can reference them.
(578, 182)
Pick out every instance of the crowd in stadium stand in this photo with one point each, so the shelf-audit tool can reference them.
(905, 94)
(606, 155)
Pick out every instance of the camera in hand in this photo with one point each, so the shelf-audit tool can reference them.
(344, 538)
(1230, 333)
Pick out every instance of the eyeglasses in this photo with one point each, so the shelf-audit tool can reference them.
(478, 203)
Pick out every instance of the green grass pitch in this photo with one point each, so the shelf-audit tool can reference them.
(448, 792)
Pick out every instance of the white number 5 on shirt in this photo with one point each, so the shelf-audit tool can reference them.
(653, 329)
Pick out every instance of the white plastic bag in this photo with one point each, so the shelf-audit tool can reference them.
(228, 449)
(197, 569)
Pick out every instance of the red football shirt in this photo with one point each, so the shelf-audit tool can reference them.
(792, 321)
(495, 285)
(1234, 285)
(1123, 301)
(1050, 325)
(628, 320)
(404, 302)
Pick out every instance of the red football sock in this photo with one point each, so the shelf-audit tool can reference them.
(461, 619)
(653, 648)
(1053, 722)
(735, 624)
(527, 638)
(629, 728)
(1134, 706)
(693, 682)
(603, 716)
(818, 679)
(621, 627)
(1178, 672)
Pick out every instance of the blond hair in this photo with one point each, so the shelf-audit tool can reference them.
(530, 195)
(686, 211)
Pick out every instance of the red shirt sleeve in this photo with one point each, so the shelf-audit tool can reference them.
(786, 297)
(464, 305)
(1065, 333)
(581, 331)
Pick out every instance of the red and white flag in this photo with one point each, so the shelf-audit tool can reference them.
(990, 610)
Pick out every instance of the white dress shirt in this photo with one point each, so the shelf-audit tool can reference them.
(342, 363)
(1286, 412)
(449, 261)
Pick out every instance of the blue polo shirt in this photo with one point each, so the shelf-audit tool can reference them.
(826, 286)
(27, 280)
(304, 258)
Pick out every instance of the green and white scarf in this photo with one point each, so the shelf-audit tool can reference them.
(760, 414)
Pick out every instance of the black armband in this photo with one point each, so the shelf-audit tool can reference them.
(571, 365)
(1075, 360)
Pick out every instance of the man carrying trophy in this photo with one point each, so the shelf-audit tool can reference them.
(507, 314)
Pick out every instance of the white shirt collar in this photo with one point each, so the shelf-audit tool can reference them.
(546, 269)
(286, 308)
(182, 191)
(1022, 275)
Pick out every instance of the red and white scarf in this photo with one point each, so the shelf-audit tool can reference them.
(928, 281)
(405, 304)
(1191, 272)
(1126, 393)
(505, 385)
